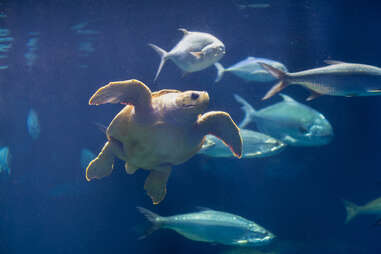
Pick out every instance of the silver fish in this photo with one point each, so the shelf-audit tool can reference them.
(5, 160)
(33, 124)
(337, 79)
(249, 69)
(372, 207)
(212, 226)
(289, 121)
(196, 51)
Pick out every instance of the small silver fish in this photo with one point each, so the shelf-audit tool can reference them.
(289, 121)
(5, 160)
(337, 79)
(372, 207)
(211, 226)
(249, 69)
(196, 51)
(33, 124)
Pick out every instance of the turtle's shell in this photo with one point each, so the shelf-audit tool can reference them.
(164, 136)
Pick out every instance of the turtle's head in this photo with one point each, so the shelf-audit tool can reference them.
(192, 102)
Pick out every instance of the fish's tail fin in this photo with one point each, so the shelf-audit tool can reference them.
(248, 109)
(279, 74)
(220, 71)
(153, 218)
(163, 58)
(352, 210)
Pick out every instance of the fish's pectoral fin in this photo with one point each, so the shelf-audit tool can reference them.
(156, 184)
(221, 125)
(313, 95)
(332, 62)
(259, 72)
(197, 54)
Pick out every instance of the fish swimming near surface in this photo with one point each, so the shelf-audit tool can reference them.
(5, 160)
(212, 226)
(291, 122)
(86, 157)
(336, 79)
(33, 124)
(372, 207)
(255, 145)
(196, 51)
(249, 69)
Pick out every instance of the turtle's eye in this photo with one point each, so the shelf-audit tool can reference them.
(194, 96)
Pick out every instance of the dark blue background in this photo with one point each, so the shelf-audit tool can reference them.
(47, 206)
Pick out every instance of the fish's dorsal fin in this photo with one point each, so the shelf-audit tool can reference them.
(185, 32)
(332, 62)
(249, 111)
(287, 98)
(203, 209)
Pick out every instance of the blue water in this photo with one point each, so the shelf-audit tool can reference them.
(46, 205)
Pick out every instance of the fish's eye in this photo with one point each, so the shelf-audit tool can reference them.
(194, 96)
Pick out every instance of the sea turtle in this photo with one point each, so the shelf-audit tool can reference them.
(157, 130)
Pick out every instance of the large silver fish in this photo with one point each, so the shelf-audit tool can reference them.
(212, 226)
(372, 207)
(337, 79)
(255, 145)
(289, 121)
(196, 51)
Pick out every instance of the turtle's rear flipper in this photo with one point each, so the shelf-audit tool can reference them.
(102, 165)
(156, 184)
(130, 91)
(221, 125)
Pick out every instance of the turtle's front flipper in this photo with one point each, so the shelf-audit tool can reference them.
(104, 164)
(130, 91)
(221, 125)
(156, 184)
